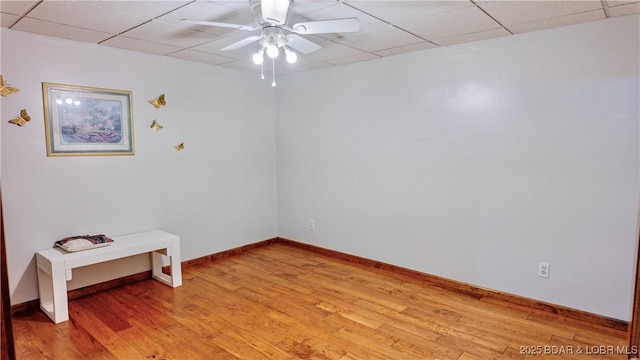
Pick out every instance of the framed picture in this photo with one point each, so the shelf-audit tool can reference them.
(82, 120)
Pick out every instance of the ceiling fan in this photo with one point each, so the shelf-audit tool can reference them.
(271, 17)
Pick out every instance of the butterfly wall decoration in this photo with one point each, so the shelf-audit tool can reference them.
(22, 119)
(158, 102)
(179, 147)
(155, 126)
(6, 89)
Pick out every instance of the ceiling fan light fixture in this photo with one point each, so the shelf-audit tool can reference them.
(271, 16)
(258, 58)
(291, 56)
(272, 51)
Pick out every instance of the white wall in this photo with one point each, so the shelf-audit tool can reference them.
(472, 162)
(219, 193)
(475, 162)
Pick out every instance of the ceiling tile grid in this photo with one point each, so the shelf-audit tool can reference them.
(511, 12)
(387, 28)
(146, 9)
(60, 30)
(7, 19)
(474, 36)
(557, 21)
(453, 23)
(396, 12)
(204, 10)
(406, 49)
(379, 39)
(150, 47)
(85, 16)
(175, 35)
(620, 8)
(17, 8)
(200, 56)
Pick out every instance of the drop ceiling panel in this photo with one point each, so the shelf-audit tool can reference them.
(332, 50)
(149, 47)
(518, 12)
(626, 9)
(7, 19)
(203, 10)
(400, 11)
(164, 33)
(405, 49)
(453, 23)
(16, 7)
(353, 59)
(379, 39)
(85, 16)
(200, 56)
(612, 3)
(557, 21)
(477, 36)
(305, 6)
(60, 31)
(386, 27)
(146, 9)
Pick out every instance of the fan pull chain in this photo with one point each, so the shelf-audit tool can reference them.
(262, 71)
(273, 71)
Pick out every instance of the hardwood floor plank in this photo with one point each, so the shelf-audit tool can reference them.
(317, 339)
(469, 356)
(238, 348)
(284, 302)
(299, 350)
(560, 323)
(412, 342)
(386, 316)
(104, 307)
(120, 348)
(514, 330)
(534, 329)
(470, 349)
(62, 341)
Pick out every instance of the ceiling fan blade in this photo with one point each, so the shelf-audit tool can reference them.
(327, 26)
(220, 24)
(256, 10)
(242, 43)
(301, 44)
(275, 11)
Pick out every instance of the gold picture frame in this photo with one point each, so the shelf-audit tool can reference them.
(87, 121)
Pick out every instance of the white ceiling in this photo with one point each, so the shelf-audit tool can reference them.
(386, 27)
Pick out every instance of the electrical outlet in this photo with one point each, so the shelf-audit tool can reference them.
(543, 270)
(312, 224)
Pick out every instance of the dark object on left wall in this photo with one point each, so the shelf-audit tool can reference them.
(8, 347)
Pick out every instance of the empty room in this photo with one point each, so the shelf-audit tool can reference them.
(300, 179)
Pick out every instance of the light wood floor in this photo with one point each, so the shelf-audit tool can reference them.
(282, 302)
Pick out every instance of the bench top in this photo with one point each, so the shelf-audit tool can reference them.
(122, 246)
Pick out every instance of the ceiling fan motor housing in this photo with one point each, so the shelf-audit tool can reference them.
(273, 36)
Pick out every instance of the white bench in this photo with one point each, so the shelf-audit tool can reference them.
(55, 266)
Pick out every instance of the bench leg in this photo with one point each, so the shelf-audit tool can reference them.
(157, 262)
(176, 263)
(52, 287)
